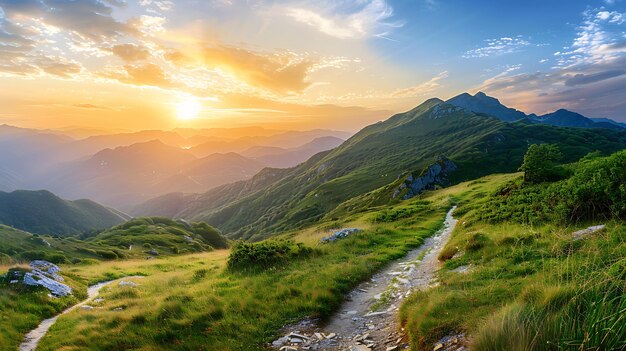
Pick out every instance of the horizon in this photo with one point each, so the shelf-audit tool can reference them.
(298, 65)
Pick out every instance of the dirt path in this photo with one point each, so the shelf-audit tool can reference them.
(31, 340)
(368, 319)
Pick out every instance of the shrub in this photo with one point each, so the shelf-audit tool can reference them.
(265, 254)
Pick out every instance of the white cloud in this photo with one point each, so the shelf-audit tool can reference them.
(496, 47)
(364, 18)
(421, 89)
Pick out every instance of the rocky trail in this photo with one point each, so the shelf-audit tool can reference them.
(368, 319)
(31, 340)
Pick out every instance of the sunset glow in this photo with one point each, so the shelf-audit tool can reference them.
(325, 64)
(188, 109)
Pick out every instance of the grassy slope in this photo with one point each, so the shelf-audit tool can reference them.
(166, 236)
(527, 284)
(376, 156)
(191, 302)
(44, 213)
(23, 308)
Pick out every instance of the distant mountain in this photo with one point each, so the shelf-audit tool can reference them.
(285, 140)
(608, 120)
(482, 103)
(565, 118)
(45, 213)
(26, 151)
(128, 175)
(285, 158)
(378, 156)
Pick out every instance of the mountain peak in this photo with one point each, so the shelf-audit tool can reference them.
(483, 103)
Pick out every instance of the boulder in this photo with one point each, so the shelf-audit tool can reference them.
(344, 233)
(583, 233)
(42, 273)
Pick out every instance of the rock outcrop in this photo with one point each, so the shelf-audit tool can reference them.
(339, 235)
(44, 274)
(435, 174)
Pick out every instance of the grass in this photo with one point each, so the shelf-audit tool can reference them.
(132, 239)
(530, 287)
(193, 302)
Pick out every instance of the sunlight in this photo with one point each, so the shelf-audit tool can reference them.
(188, 109)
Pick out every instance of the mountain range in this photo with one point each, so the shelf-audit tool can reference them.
(477, 133)
(127, 168)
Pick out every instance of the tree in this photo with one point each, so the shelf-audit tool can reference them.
(540, 163)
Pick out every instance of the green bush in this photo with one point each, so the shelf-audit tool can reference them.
(595, 191)
(265, 254)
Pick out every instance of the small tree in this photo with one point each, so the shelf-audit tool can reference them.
(540, 163)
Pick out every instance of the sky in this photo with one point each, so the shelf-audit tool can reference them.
(298, 64)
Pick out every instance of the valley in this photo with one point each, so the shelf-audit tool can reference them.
(440, 228)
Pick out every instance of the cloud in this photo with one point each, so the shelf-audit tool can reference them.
(421, 89)
(90, 19)
(581, 78)
(130, 52)
(148, 74)
(362, 19)
(589, 77)
(281, 72)
(497, 47)
(91, 106)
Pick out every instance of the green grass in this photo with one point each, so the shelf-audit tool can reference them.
(22, 308)
(129, 240)
(193, 302)
(531, 287)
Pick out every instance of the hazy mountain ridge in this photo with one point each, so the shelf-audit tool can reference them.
(374, 157)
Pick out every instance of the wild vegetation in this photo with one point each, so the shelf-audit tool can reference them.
(196, 301)
(132, 239)
(531, 285)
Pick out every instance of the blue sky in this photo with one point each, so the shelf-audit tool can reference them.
(302, 63)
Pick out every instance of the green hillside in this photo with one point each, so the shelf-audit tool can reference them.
(45, 213)
(133, 239)
(377, 156)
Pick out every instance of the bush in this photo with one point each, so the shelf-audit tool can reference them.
(264, 255)
(595, 191)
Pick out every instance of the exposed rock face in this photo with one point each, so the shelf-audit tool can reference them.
(340, 235)
(435, 174)
(46, 274)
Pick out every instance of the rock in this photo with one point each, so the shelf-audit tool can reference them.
(43, 274)
(435, 174)
(288, 348)
(188, 238)
(391, 348)
(438, 347)
(98, 300)
(118, 309)
(152, 252)
(344, 233)
(330, 336)
(87, 307)
(580, 234)
(129, 284)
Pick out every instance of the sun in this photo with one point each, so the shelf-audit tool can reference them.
(188, 109)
